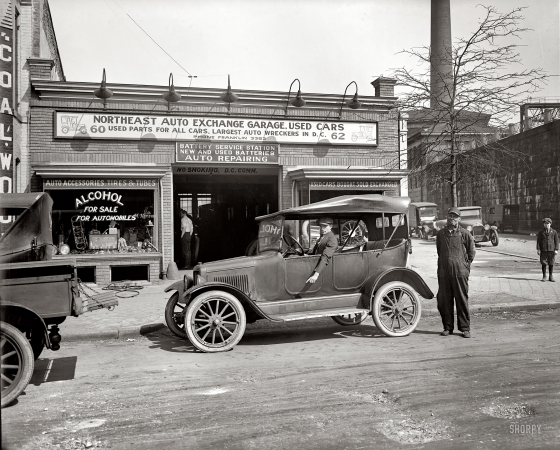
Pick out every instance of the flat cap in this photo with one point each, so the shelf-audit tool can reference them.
(547, 220)
(324, 221)
(454, 210)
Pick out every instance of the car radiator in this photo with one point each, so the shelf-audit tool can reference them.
(478, 231)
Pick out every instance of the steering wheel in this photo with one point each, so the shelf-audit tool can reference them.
(297, 248)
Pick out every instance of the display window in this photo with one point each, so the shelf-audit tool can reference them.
(104, 221)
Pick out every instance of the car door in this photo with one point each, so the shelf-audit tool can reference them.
(298, 269)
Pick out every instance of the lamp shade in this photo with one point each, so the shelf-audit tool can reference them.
(298, 101)
(103, 92)
(171, 96)
(229, 96)
(354, 103)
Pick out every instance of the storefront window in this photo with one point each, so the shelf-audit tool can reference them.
(104, 220)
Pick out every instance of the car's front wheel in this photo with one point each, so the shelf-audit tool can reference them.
(17, 362)
(350, 319)
(215, 321)
(494, 238)
(396, 309)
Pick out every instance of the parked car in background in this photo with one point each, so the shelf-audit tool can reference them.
(471, 219)
(422, 216)
(504, 217)
(367, 275)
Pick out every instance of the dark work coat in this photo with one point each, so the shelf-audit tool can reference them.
(547, 242)
(325, 246)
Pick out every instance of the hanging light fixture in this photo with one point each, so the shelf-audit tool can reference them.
(352, 104)
(228, 96)
(298, 101)
(171, 96)
(103, 92)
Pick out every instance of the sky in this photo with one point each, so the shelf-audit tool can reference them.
(266, 44)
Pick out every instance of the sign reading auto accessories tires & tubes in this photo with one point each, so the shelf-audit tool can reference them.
(71, 125)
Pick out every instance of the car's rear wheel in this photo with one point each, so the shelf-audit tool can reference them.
(396, 309)
(215, 321)
(17, 362)
(350, 319)
(174, 315)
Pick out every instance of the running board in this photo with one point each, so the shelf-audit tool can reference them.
(314, 314)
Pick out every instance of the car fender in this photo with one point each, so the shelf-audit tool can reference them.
(7, 310)
(180, 286)
(403, 274)
(194, 291)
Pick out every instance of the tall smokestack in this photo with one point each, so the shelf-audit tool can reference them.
(440, 57)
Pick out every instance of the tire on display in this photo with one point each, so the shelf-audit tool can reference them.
(396, 309)
(494, 238)
(17, 362)
(350, 319)
(174, 316)
(215, 321)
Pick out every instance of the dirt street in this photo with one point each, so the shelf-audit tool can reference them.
(308, 385)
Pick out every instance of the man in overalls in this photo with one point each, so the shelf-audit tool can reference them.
(455, 248)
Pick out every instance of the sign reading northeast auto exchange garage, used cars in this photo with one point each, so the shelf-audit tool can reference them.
(70, 125)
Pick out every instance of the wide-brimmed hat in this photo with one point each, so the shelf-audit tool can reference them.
(547, 220)
(324, 221)
(454, 210)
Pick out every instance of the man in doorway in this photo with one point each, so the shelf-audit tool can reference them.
(547, 248)
(186, 231)
(455, 249)
(325, 246)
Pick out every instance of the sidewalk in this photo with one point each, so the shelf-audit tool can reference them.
(145, 312)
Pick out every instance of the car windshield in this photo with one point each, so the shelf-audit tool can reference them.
(428, 212)
(270, 234)
(470, 213)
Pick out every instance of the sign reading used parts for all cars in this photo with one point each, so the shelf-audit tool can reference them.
(71, 125)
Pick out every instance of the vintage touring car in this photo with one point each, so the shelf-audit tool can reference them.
(368, 274)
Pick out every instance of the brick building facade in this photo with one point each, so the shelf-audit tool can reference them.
(224, 163)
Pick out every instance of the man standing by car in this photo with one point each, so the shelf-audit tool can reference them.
(325, 246)
(455, 249)
(186, 230)
(547, 248)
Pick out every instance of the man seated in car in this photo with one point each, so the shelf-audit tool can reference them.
(326, 246)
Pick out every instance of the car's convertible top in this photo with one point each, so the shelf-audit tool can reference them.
(349, 204)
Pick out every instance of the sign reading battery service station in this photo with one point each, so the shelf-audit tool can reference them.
(230, 152)
(70, 125)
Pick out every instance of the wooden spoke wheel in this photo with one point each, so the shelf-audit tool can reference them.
(396, 309)
(17, 362)
(350, 319)
(175, 315)
(215, 321)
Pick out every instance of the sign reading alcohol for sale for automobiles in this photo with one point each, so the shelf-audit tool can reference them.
(71, 125)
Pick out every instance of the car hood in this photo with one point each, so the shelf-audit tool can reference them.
(232, 263)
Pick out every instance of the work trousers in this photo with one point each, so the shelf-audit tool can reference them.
(186, 249)
(454, 289)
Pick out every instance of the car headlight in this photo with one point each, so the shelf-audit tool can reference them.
(486, 227)
(469, 228)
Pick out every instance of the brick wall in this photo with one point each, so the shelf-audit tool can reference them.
(533, 183)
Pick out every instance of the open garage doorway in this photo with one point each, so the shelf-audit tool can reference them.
(223, 207)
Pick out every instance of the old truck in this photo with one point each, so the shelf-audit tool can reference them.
(37, 293)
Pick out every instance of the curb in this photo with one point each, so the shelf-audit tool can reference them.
(500, 308)
(118, 333)
(140, 330)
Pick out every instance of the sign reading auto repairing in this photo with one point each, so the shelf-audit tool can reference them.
(199, 152)
(351, 184)
(71, 125)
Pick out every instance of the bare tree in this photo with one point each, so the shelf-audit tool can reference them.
(481, 89)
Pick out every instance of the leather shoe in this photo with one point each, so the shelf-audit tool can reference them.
(543, 279)
(446, 333)
(466, 334)
(551, 278)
